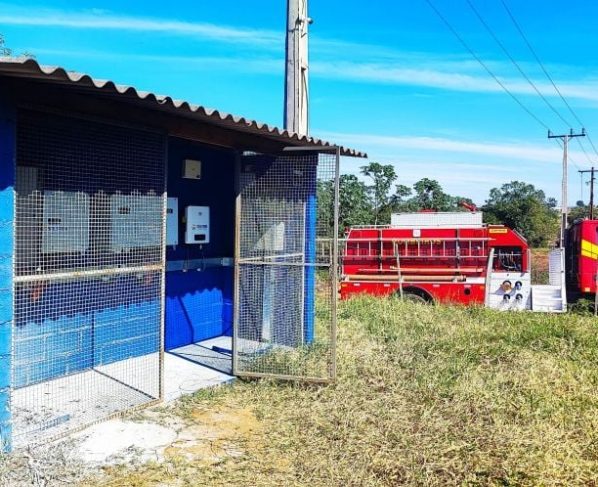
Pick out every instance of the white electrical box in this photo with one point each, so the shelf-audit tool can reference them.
(198, 225)
(135, 221)
(191, 169)
(172, 221)
(65, 222)
(273, 239)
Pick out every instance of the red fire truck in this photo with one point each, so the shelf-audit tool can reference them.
(450, 257)
(582, 258)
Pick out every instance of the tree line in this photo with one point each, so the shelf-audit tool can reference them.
(371, 199)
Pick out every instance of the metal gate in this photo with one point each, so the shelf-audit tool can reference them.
(286, 283)
(88, 273)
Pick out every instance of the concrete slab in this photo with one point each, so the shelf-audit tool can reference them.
(51, 408)
(54, 407)
(215, 353)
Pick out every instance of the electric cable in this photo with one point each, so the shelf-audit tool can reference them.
(541, 64)
(515, 63)
(483, 64)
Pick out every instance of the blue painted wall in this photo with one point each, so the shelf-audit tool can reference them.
(311, 221)
(7, 179)
(199, 301)
(72, 326)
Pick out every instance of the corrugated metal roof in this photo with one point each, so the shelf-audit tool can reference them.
(30, 69)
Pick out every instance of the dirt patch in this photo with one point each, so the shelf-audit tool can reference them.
(215, 436)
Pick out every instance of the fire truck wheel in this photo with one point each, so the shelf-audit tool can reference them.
(416, 297)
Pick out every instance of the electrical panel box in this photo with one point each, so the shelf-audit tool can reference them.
(273, 239)
(135, 221)
(172, 221)
(198, 225)
(65, 222)
(191, 169)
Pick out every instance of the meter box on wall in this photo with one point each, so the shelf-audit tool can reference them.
(135, 221)
(172, 221)
(198, 225)
(65, 222)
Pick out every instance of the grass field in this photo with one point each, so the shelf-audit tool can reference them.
(425, 396)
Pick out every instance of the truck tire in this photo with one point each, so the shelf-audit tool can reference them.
(415, 296)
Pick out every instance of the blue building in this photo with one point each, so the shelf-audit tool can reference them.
(132, 225)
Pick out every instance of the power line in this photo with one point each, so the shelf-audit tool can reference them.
(515, 63)
(584, 150)
(532, 50)
(483, 64)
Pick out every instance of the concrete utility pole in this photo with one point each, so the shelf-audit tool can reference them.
(296, 98)
(564, 204)
(592, 179)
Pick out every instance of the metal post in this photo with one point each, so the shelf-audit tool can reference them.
(564, 196)
(564, 205)
(237, 269)
(399, 275)
(334, 271)
(592, 195)
(296, 68)
(592, 179)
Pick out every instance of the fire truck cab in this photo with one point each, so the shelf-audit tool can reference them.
(444, 257)
(582, 258)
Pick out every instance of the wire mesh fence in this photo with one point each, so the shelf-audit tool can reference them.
(90, 209)
(286, 283)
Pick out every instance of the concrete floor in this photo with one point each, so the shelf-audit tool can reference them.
(197, 366)
(54, 407)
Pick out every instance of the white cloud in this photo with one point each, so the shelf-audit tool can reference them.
(514, 151)
(390, 73)
(100, 20)
(367, 63)
(463, 167)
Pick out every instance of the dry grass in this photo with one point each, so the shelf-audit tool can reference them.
(425, 396)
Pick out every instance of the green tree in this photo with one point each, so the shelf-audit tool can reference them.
(7, 52)
(526, 209)
(325, 199)
(430, 196)
(4, 51)
(580, 211)
(382, 177)
(401, 200)
(354, 203)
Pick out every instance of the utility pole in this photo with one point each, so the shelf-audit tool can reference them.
(296, 68)
(592, 179)
(564, 203)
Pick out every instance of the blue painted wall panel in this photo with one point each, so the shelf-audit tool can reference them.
(311, 220)
(198, 301)
(195, 305)
(60, 335)
(7, 181)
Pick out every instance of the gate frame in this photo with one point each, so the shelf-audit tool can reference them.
(333, 269)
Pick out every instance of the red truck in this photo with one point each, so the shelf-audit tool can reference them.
(455, 258)
(582, 258)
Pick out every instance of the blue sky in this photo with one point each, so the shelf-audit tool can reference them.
(386, 77)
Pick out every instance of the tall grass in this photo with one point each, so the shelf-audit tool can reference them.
(426, 395)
